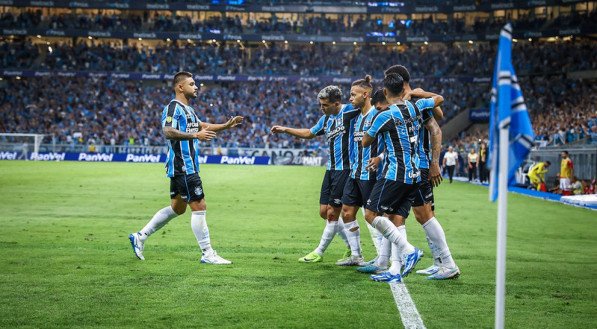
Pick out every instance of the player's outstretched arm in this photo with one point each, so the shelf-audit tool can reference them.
(435, 133)
(303, 133)
(231, 123)
(175, 134)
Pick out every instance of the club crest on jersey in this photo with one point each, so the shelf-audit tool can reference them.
(169, 119)
(338, 121)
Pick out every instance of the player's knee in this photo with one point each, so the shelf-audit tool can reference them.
(179, 210)
(323, 213)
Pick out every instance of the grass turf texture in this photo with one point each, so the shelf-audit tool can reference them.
(65, 260)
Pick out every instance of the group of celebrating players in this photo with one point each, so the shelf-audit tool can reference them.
(384, 149)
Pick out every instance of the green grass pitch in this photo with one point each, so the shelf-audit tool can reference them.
(65, 260)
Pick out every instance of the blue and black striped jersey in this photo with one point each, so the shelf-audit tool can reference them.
(399, 127)
(424, 140)
(338, 129)
(183, 156)
(361, 155)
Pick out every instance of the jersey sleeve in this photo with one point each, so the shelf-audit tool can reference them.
(379, 123)
(425, 106)
(319, 128)
(169, 117)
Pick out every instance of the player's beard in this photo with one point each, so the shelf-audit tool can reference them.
(191, 95)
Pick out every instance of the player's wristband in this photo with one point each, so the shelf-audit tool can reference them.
(381, 156)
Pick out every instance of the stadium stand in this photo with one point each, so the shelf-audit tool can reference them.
(128, 107)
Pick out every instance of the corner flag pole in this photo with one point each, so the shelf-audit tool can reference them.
(502, 223)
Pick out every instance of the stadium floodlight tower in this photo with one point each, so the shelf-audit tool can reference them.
(22, 140)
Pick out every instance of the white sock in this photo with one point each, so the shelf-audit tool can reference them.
(397, 253)
(396, 260)
(376, 237)
(392, 233)
(326, 238)
(354, 237)
(385, 251)
(201, 231)
(161, 218)
(342, 232)
(437, 243)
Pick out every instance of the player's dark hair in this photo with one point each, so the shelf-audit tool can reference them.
(378, 97)
(364, 83)
(566, 152)
(548, 163)
(331, 93)
(178, 77)
(393, 83)
(400, 70)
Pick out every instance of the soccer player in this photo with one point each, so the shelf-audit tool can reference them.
(537, 174)
(393, 194)
(566, 173)
(429, 148)
(183, 130)
(359, 184)
(337, 124)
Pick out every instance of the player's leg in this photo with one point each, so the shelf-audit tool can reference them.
(199, 226)
(159, 219)
(390, 197)
(329, 231)
(443, 266)
(339, 181)
(351, 201)
(352, 231)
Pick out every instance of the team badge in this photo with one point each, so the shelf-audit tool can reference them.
(198, 191)
(168, 119)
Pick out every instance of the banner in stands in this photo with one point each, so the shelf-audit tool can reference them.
(378, 7)
(291, 157)
(218, 35)
(479, 115)
(214, 78)
(130, 157)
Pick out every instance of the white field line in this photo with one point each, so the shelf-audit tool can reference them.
(411, 319)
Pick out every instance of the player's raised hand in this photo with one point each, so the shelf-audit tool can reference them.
(278, 129)
(234, 121)
(373, 164)
(205, 135)
(435, 176)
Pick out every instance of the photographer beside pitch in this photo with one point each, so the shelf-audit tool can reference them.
(183, 130)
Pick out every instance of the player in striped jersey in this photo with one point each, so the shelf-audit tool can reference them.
(392, 195)
(183, 130)
(359, 184)
(336, 124)
(430, 138)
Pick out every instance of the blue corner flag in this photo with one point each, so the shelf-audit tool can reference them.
(508, 111)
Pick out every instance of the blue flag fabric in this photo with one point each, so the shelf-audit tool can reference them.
(507, 111)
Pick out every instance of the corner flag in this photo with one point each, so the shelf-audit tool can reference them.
(510, 140)
(508, 112)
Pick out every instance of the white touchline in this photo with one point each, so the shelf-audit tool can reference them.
(411, 319)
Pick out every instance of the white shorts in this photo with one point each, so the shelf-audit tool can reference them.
(565, 184)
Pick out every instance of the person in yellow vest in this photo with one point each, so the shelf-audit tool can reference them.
(537, 174)
(566, 173)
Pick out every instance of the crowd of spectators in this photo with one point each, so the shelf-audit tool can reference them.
(112, 111)
(107, 112)
(434, 60)
(304, 24)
